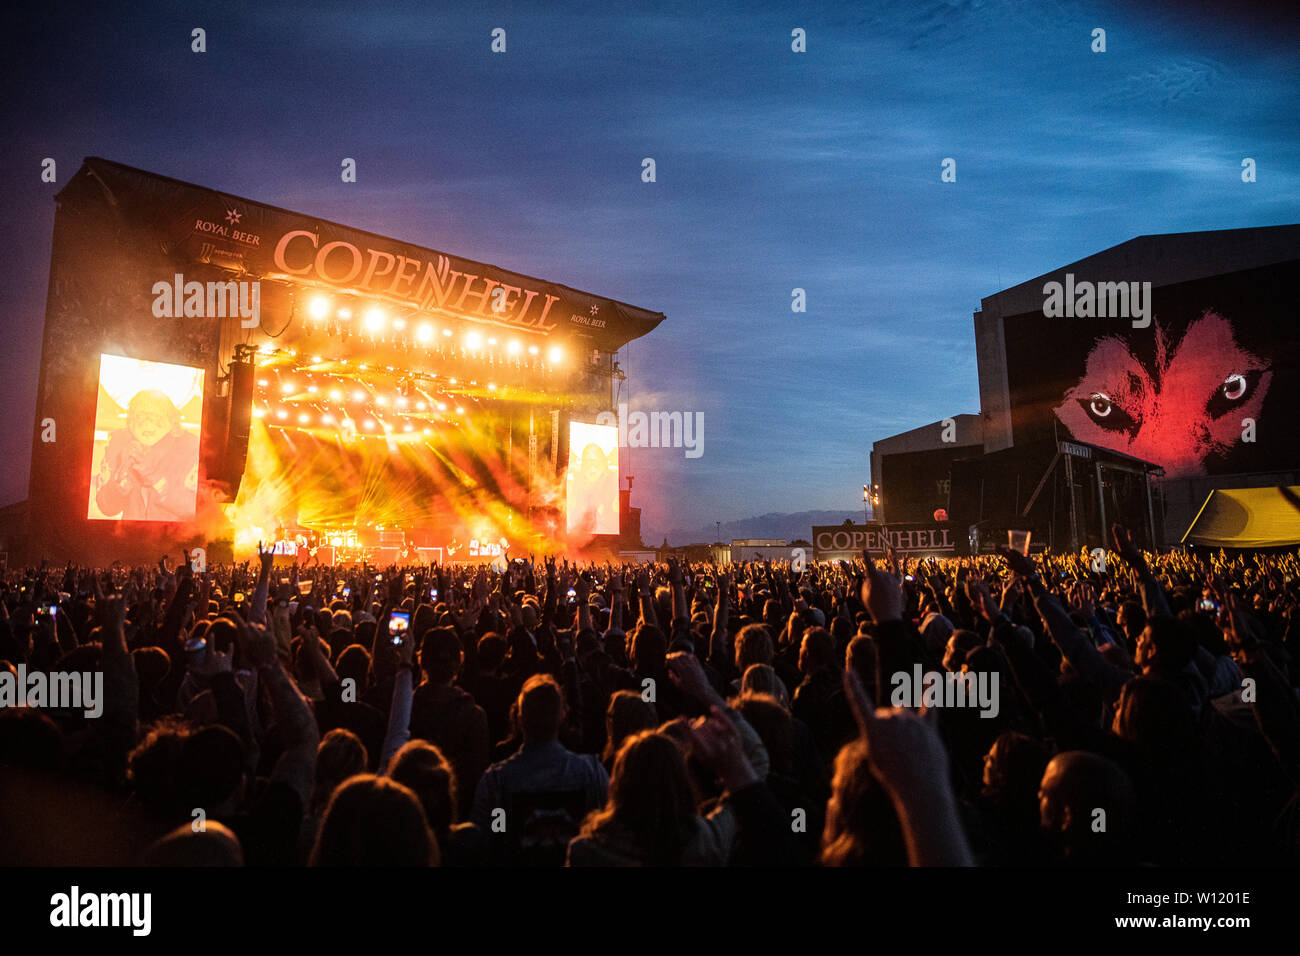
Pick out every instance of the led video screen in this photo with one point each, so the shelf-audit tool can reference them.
(145, 462)
(1209, 387)
(591, 482)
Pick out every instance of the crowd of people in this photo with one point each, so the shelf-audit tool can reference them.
(671, 714)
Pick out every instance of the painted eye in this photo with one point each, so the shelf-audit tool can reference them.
(1234, 386)
(1100, 404)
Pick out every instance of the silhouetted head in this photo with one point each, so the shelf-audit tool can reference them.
(421, 766)
(440, 654)
(1088, 805)
(541, 709)
(214, 845)
(374, 821)
(651, 798)
(626, 714)
(762, 679)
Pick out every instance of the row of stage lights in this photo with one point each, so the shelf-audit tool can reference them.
(376, 322)
(370, 405)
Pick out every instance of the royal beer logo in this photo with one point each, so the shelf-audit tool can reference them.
(229, 229)
(428, 286)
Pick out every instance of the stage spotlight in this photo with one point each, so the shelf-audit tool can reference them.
(447, 332)
(442, 406)
(399, 324)
(460, 410)
(286, 388)
(428, 431)
(319, 307)
(304, 418)
(514, 346)
(368, 424)
(327, 419)
(533, 350)
(381, 400)
(311, 390)
(555, 355)
(358, 396)
(262, 383)
(336, 395)
(424, 333)
(492, 341)
(451, 381)
(259, 413)
(282, 414)
(375, 319)
(420, 406)
(266, 348)
(473, 341)
(345, 313)
(409, 427)
(316, 360)
(492, 386)
(401, 401)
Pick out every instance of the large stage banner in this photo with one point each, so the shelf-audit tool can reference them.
(846, 541)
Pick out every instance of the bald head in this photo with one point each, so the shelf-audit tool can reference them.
(1088, 804)
(214, 845)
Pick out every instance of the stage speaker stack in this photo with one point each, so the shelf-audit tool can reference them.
(241, 417)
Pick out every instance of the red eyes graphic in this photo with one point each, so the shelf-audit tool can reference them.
(1178, 409)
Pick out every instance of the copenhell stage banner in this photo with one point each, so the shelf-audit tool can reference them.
(257, 240)
(844, 542)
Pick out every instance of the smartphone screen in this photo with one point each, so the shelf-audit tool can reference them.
(433, 594)
(347, 592)
(399, 622)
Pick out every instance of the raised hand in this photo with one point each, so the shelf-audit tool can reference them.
(904, 748)
(717, 744)
(258, 644)
(882, 592)
(1128, 551)
(1020, 564)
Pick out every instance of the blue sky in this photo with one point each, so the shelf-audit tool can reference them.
(775, 170)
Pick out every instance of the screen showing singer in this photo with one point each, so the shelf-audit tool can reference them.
(145, 462)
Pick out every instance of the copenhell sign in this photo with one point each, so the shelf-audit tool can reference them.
(843, 542)
(259, 241)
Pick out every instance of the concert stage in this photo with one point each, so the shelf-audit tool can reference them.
(217, 371)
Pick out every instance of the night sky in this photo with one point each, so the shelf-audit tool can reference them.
(775, 170)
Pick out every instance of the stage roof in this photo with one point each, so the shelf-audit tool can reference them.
(1246, 518)
(253, 238)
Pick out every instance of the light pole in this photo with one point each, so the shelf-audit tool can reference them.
(865, 498)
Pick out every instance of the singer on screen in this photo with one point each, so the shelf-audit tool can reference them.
(150, 467)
